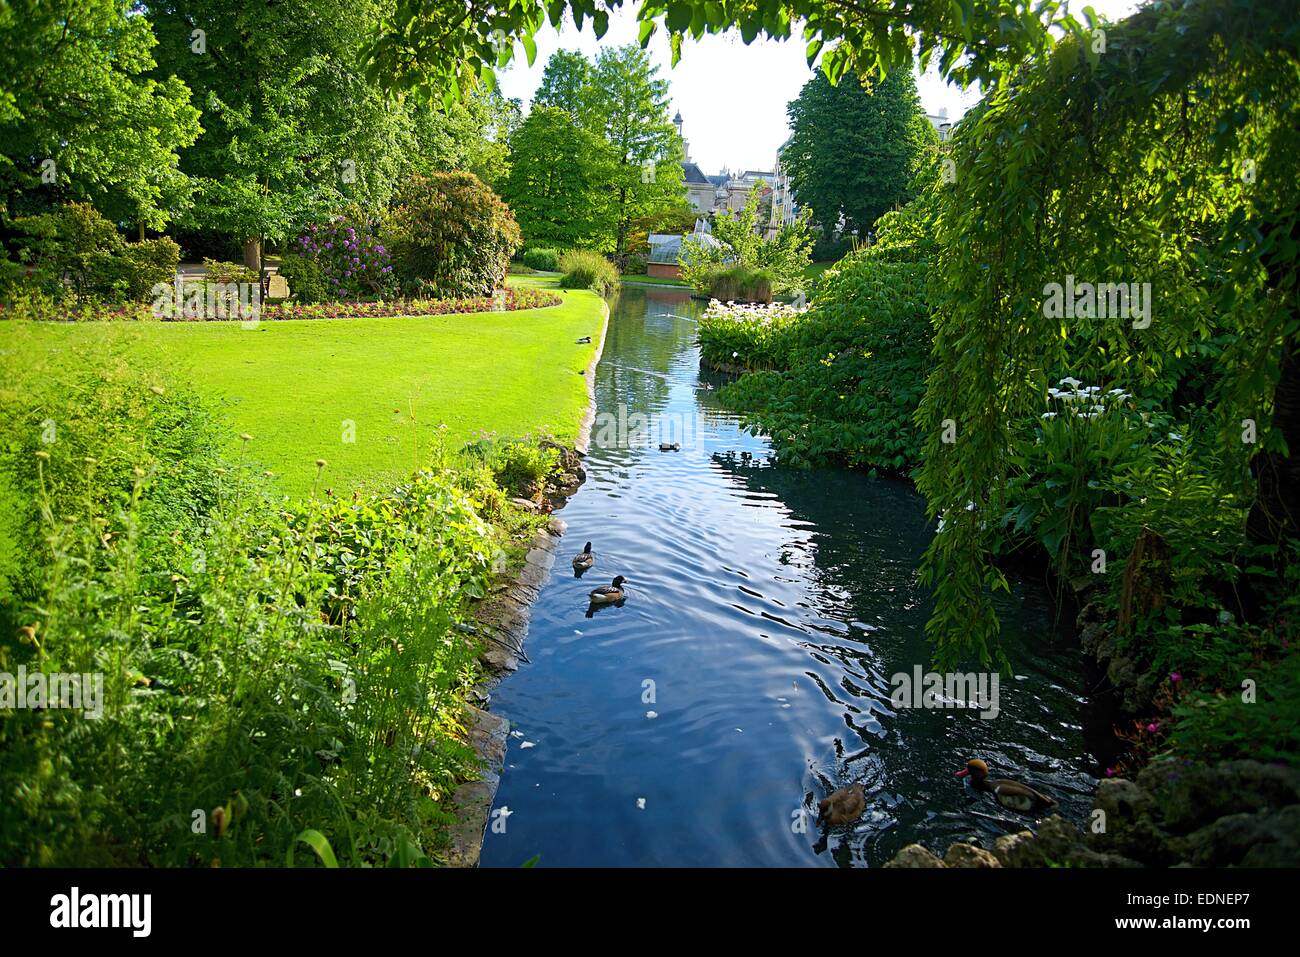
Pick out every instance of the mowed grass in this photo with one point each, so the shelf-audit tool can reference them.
(369, 396)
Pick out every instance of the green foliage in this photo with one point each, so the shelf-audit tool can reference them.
(738, 283)
(520, 466)
(854, 149)
(273, 672)
(841, 381)
(740, 243)
(584, 269)
(306, 278)
(421, 52)
(450, 235)
(1048, 170)
(74, 248)
(542, 259)
(559, 181)
(77, 93)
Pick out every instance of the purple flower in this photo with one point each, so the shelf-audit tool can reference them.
(1110, 772)
(1175, 677)
(1152, 728)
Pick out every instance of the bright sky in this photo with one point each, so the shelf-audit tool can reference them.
(732, 97)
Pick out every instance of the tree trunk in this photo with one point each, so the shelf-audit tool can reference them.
(253, 253)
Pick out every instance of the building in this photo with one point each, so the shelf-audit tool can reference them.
(664, 261)
(942, 125)
(699, 188)
(783, 211)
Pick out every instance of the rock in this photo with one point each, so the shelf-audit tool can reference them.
(1128, 828)
(473, 799)
(914, 855)
(1263, 839)
(1188, 796)
(1018, 850)
(498, 659)
(968, 855)
(526, 504)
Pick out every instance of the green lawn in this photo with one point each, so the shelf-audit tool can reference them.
(366, 395)
(653, 280)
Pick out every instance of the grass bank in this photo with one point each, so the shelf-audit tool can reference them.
(370, 396)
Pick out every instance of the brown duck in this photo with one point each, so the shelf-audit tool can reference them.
(1012, 795)
(843, 806)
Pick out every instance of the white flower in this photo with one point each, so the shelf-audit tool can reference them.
(1072, 383)
(1049, 415)
(1175, 436)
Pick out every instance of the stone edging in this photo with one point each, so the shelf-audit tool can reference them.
(503, 622)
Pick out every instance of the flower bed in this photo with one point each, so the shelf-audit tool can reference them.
(507, 300)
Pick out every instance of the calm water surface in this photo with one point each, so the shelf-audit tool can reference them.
(768, 607)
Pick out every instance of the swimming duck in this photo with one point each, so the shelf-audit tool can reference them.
(843, 806)
(670, 446)
(584, 339)
(1012, 795)
(608, 593)
(586, 559)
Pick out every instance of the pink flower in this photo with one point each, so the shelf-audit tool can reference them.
(1152, 728)
(1175, 677)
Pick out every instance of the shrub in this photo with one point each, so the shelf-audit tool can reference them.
(520, 466)
(352, 262)
(848, 373)
(739, 284)
(150, 262)
(450, 235)
(226, 272)
(305, 276)
(756, 337)
(542, 259)
(635, 266)
(584, 269)
(738, 242)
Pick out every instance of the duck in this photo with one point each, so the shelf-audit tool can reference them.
(584, 340)
(585, 559)
(606, 594)
(843, 806)
(1012, 795)
(670, 446)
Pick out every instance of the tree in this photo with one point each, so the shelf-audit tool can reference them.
(853, 149)
(471, 135)
(292, 130)
(80, 116)
(556, 181)
(627, 104)
(565, 82)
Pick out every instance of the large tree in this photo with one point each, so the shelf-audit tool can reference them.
(627, 104)
(557, 181)
(81, 119)
(292, 129)
(565, 82)
(854, 148)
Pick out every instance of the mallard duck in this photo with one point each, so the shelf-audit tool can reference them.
(608, 593)
(843, 806)
(585, 559)
(1012, 795)
(670, 446)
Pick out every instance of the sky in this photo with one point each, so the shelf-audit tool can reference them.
(732, 97)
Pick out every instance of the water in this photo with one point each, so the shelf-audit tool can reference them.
(769, 608)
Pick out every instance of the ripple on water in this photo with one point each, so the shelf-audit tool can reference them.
(767, 609)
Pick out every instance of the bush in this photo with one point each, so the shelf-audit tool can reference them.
(584, 269)
(75, 249)
(306, 278)
(846, 375)
(519, 466)
(542, 259)
(277, 666)
(739, 284)
(150, 262)
(352, 262)
(635, 266)
(450, 235)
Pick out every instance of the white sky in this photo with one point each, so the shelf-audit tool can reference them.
(732, 97)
